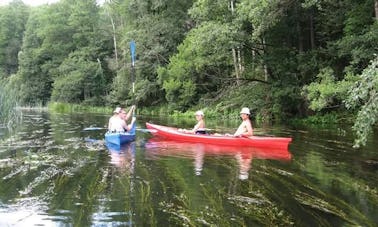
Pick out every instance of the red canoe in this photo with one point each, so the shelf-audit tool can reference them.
(253, 141)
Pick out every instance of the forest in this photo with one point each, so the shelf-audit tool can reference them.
(283, 59)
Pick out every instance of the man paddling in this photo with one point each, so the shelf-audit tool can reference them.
(117, 122)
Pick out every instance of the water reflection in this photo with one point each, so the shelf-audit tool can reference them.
(123, 157)
(244, 161)
(25, 210)
(198, 161)
(156, 147)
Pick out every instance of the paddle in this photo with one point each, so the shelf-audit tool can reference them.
(93, 128)
(146, 130)
(138, 129)
(132, 51)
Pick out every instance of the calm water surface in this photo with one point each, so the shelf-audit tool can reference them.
(54, 173)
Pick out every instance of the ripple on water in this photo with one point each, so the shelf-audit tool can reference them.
(319, 204)
(104, 218)
(248, 200)
(26, 212)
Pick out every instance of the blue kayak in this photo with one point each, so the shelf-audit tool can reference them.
(119, 138)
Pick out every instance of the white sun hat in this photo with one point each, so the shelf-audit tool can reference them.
(199, 112)
(117, 110)
(245, 110)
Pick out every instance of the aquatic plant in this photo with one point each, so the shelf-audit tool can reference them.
(9, 116)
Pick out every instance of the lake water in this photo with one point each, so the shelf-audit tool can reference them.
(54, 173)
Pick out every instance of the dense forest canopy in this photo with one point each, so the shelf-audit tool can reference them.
(282, 58)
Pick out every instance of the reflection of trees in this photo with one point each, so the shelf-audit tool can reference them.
(329, 178)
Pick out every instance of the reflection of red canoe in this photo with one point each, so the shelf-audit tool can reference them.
(253, 141)
(162, 147)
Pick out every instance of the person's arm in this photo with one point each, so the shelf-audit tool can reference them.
(130, 112)
(199, 126)
(196, 127)
(125, 126)
(109, 124)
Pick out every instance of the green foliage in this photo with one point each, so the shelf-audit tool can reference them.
(359, 46)
(157, 27)
(229, 103)
(357, 18)
(263, 15)
(13, 19)
(79, 79)
(363, 95)
(121, 89)
(61, 48)
(322, 119)
(83, 21)
(211, 10)
(356, 92)
(60, 107)
(38, 50)
(184, 78)
(327, 92)
(68, 88)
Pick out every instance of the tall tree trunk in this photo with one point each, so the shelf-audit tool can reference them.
(299, 29)
(235, 65)
(376, 9)
(300, 37)
(114, 40)
(241, 68)
(108, 10)
(234, 54)
(312, 30)
(265, 66)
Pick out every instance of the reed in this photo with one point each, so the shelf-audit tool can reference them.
(69, 108)
(9, 115)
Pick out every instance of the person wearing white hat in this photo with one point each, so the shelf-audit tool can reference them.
(199, 128)
(117, 123)
(245, 128)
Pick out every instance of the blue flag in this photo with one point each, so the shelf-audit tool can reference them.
(132, 49)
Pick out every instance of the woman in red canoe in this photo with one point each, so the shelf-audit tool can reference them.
(245, 128)
(199, 128)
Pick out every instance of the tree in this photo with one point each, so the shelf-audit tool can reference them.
(54, 35)
(35, 83)
(194, 70)
(80, 80)
(357, 92)
(157, 27)
(13, 19)
(363, 96)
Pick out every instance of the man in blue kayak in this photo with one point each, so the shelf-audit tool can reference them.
(118, 122)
